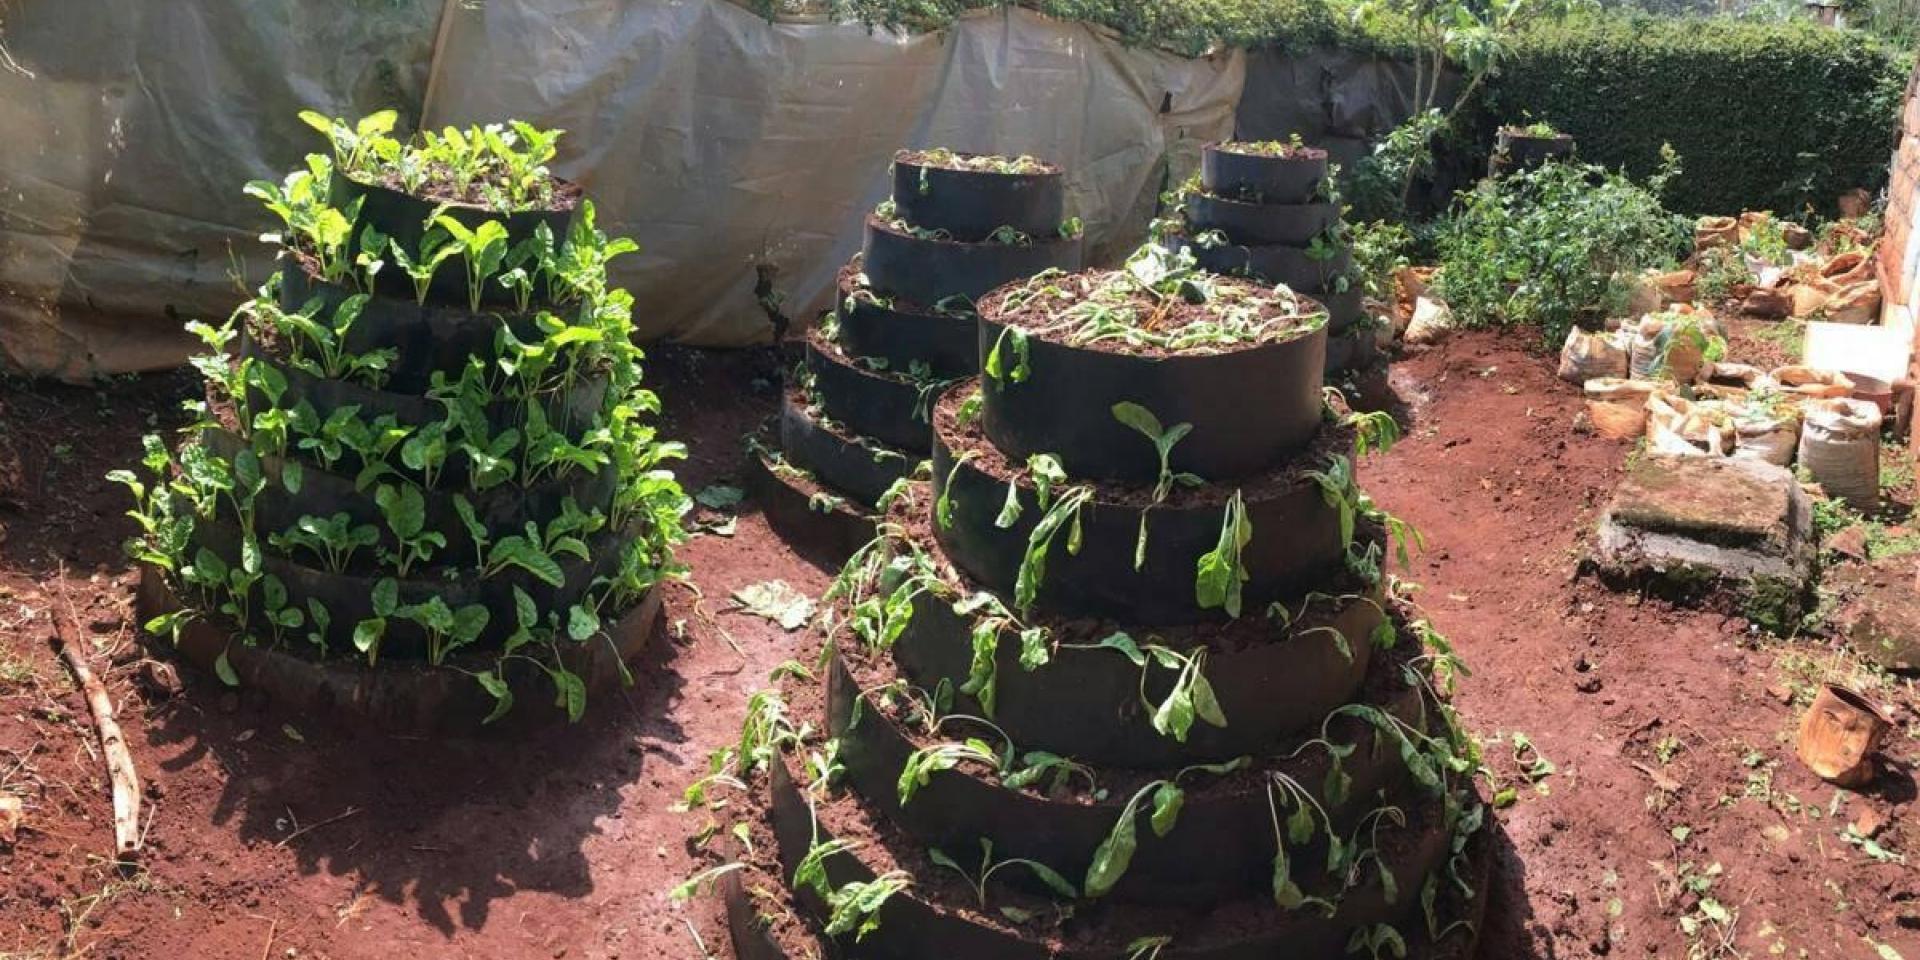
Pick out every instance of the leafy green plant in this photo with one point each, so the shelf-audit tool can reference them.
(483, 248)
(853, 907)
(332, 540)
(1165, 798)
(436, 245)
(405, 511)
(1163, 440)
(979, 879)
(1555, 245)
(320, 347)
(1065, 512)
(1190, 697)
(313, 226)
(1219, 573)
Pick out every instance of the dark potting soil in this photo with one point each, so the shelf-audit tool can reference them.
(830, 349)
(1332, 440)
(847, 281)
(439, 188)
(1280, 149)
(1038, 318)
(980, 163)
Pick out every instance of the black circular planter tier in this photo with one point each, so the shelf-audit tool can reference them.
(1221, 849)
(1273, 263)
(972, 204)
(903, 335)
(928, 271)
(1296, 534)
(1263, 179)
(502, 510)
(862, 468)
(884, 405)
(407, 697)
(1516, 150)
(1247, 223)
(1249, 407)
(1272, 680)
(813, 519)
(348, 596)
(405, 218)
(932, 919)
(564, 411)
(427, 338)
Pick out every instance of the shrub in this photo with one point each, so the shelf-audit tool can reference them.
(1769, 115)
(1554, 246)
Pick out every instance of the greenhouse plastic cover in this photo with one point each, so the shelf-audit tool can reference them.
(720, 141)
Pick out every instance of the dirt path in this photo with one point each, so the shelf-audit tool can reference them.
(274, 838)
(1504, 490)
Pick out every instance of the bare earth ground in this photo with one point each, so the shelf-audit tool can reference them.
(1672, 801)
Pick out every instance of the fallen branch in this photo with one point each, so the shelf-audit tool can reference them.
(121, 775)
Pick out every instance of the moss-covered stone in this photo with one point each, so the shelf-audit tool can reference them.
(1735, 534)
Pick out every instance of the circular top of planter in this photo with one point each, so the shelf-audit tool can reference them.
(1094, 369)
(1268, 171)
(565, 198)
(973, 195)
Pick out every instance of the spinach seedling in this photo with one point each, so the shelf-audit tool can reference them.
(853, 907)
(483, 248)
(1220, 573)
(405, 510)
(1143, 420)
(1190, 697)
(989, 866)
(1115, 853)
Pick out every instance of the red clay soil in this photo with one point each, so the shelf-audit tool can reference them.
(273, 837)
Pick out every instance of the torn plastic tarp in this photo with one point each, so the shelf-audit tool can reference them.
(718, 140)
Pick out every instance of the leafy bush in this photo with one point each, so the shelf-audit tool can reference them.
(1769, 115)
(1555, 245)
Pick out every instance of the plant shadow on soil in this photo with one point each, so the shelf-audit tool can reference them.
(448, 824)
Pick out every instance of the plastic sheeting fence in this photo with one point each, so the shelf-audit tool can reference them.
(725, 144)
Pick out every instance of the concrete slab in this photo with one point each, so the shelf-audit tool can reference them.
(1702, 526)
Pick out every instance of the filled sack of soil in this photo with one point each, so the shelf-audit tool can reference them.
(1855, 303)
(1840, 447)
(1618, 407)
(1679, 286)
(1811, 296)
(1851, 267)
(1726, 373)
(1432, 320)
(1687, 427)
(1709, 232)
(1767, 302)
(1766, 432)
(1812, 383)
(1588, 356)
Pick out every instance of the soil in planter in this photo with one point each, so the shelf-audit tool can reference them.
(1277, 318)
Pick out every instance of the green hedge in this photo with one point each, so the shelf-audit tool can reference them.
(1773, 115)
(1765, 115)
(1184, 26)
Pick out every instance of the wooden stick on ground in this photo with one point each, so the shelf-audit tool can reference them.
(120, 772)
